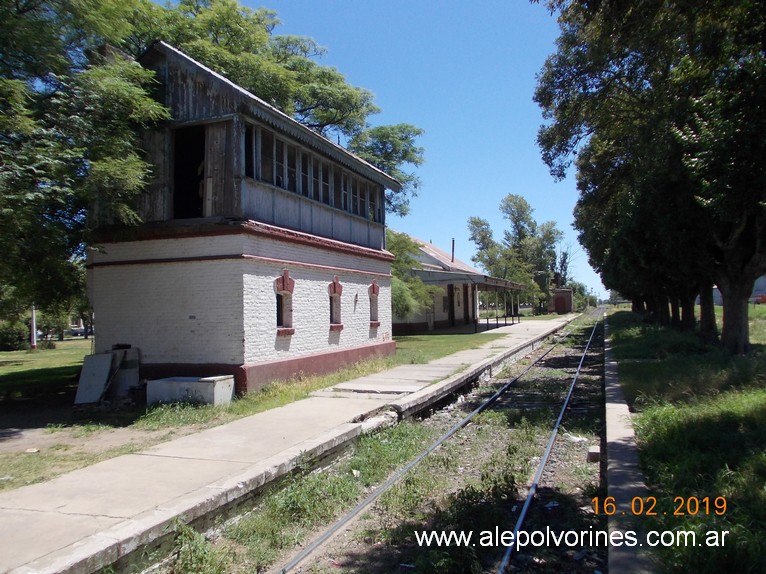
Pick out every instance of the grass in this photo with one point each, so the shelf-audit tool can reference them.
(26, 374)
(701, 430)
(285, 517)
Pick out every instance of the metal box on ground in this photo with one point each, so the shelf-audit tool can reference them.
(207, 390)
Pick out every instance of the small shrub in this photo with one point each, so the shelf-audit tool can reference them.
(13, 336)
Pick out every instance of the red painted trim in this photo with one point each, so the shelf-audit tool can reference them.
(254, 376)
(374, 324)
(336, 327)
(285, 331)
(251, 258)
(215, 227)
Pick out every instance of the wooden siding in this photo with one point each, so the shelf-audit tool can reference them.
(197, 97)
(270, 204)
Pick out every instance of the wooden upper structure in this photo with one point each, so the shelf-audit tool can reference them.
(228, 155)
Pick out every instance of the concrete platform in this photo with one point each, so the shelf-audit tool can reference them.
(624, 477)
(92, 517)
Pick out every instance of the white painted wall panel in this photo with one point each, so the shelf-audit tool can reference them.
(174, 312)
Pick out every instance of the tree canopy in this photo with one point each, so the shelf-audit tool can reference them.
(529, 253)
(409, 295)
(658, 105)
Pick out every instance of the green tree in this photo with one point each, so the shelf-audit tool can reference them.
(240, 44)
(67, 135)
(667, 99)
(391, 149)
(409, 295)
(502, 260)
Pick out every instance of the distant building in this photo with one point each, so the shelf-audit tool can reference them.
(458, 302)
(263, 252)
(757, 296)
(561, 301)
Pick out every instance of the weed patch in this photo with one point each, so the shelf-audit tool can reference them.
(702, 433)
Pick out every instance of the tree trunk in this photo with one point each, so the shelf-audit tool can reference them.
(675, 313)
(735, 335)
(688, 320)
(708, 327)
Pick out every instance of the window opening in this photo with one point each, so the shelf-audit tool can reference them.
(336, 188)
(326, 183)
(283, 288)
(344, 199)
(306, 174)
(279, 163)
(317, 183)
(373, 216)
(292, 168)
(267, 156)
(189, 172)
(363, 200)
(354, 196)
(249, 151)
(373, 291)
(280, 310)
(335, 290)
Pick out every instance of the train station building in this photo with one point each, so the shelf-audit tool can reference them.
(263, 251)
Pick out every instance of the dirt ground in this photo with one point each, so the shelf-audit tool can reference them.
(41, 442)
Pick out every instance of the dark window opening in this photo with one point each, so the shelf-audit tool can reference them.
(315, 170)
(189, 172)
(267, 156)
(335, 318)
(326, 183)
(354, 196)
(249, 152)
(279, 163)
(373, 308)
(363, 200)
(344, 199)
(292, 169)
(305, 174)
(337, 201)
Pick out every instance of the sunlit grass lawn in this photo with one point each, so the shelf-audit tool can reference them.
(28, 373)
(701, 429)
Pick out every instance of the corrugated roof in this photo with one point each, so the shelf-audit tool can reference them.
(441, 260)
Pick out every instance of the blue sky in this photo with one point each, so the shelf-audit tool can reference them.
(465, 72)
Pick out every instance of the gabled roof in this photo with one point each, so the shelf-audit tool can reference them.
(255, 107)
(439, 267)
(431, 257)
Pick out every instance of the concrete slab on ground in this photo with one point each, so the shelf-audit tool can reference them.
(624, 477)
(257, 437)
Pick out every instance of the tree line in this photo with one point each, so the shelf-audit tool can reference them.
(73, 104)
(659, 106)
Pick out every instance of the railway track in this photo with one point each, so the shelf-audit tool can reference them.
(529, 479)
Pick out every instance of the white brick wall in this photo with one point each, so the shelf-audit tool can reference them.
(311, 313)
(174, 312)
(224, 311)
